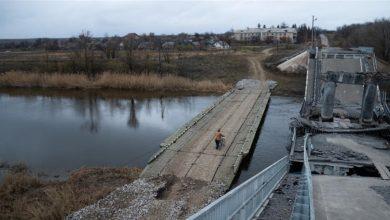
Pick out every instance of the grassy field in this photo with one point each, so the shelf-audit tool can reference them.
(202, 71)
(214, 64)
(228, 68)
(190, 71)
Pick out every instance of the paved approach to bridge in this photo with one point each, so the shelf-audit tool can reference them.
(190, 152)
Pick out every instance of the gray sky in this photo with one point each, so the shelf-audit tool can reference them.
(56, 18)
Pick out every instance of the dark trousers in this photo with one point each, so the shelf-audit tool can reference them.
(217, 143)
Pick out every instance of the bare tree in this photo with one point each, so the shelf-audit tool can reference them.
(147, 62)
(167, 54)
(87, 54)
(374, 34)
(129, 46)
(159, 46)
(113, 46)
(46, 47)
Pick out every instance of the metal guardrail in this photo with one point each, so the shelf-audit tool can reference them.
(384, 103)
(303, 205)
(245, 200)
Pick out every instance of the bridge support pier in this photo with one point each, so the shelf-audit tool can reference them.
(368, 103)
(328, 94)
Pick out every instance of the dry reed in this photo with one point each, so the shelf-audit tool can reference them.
(24, 196)
(151, 82)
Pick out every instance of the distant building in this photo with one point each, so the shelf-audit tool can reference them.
(146, 45)
(168, 45)
(266, 34)
(197, 44)
(221, 45)
(133, 36)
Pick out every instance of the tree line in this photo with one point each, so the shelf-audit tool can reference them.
(374, 34)
(133, 54)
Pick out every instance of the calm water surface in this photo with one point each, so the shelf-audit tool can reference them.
(56, 134)
(273, 136)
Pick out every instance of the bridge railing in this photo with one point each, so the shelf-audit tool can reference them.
(303, 206)
(245, 200)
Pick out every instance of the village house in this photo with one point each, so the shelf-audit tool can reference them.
(168, 45)
(132, 36)
(221, 45)
(146, 45)
(266, 34)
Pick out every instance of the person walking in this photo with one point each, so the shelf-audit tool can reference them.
(218, 138)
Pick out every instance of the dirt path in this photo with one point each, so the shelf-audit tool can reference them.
(287, 84)
(324, 40)
(257, 69)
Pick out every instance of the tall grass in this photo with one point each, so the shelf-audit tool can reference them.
(24, 196)
(151, 82)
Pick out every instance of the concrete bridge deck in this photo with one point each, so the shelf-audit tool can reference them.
(358, 198)
(190, 152)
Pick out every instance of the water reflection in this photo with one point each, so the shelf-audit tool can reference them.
(94, 116)
(133, 121)
(162, 107)
(55, 133)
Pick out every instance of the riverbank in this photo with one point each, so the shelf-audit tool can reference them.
(25, 196)
(108, 80)
(162, 197)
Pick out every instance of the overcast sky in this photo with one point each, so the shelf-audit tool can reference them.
(55, 18)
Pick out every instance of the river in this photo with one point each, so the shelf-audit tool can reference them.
(274, 136)
(55, 132)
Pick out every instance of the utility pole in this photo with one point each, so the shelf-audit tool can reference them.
(312, 30)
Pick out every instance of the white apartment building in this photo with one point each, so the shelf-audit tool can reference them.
(266, 34)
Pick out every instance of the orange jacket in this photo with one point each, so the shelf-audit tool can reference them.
(218, 136)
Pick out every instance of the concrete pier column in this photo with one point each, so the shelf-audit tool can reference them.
(368, 103)
(328, 94)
